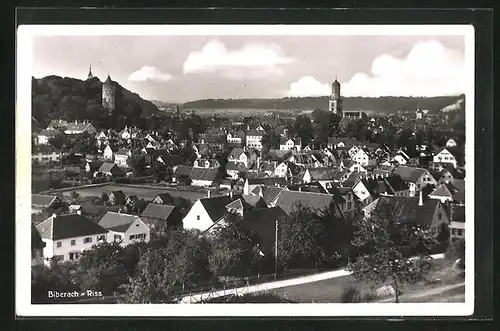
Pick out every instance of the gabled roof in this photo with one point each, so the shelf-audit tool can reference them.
(207, 174)
(158, 211)
(119, 195)
(287, 200)
(407, 208)
(455, 190)
(314, 187)
(236, 152)
(326, 173)
(267, 181)
(269, 193)
(107, 167)
(409, 174)
(68, 226)
(216, 206)
(36, 239)
(42, 200)
(117, 222)
(236, 166)
(255, 133)
(123, 151)
(396, 183)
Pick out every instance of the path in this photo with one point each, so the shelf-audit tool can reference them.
(199, 297)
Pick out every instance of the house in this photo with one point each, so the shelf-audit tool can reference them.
(447, 174)
(234, 169)
(204, 163)
(453, 191)
(432, 213)
(125, 228)
(37, 246)
(457, 222)
(108, 153)
(336, 143)
(345, 199)
(41, 203)
(67, 236)
(246, 203)
(254, 139)
(198, 176)
(451, 143)
(281, 169)
(206, 212)
(363, 157)
(368, 188)
(122, 156)
(262, 222)
(401, 157)
(288, 200)
(270, 194)
(416, 178)
(287, 144)
(128, 133)
(236, 137)
(43, 137)
(251, 183)
(110, 169)
(116, 198)
(101, 138)
(444, 156)
(238, 155)
(321, 175)
(161, 216)
(45, 154)
(57, 124)
(74, 209)
(93, 166)
(76, 127)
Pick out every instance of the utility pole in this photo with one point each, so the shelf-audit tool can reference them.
(276, 251)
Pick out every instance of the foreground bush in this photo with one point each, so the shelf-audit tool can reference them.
(351, 294)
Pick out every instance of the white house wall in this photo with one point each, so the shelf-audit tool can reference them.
(191, 221)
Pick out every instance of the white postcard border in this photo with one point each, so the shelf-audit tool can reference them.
(25, 33)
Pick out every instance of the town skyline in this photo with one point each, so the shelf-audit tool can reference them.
(246, 67)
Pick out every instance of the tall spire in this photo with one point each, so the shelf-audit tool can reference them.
(90, 73)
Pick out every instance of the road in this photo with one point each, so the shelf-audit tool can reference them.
(322, 287)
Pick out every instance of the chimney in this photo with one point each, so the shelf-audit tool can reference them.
(208, 194)
(420, 199)
(54, 215)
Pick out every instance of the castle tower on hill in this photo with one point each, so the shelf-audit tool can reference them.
(335, 102)
(108, 94)
(90, 76)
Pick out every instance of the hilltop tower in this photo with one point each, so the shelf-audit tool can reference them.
(90, 76)
(335, 102)
(108, 94)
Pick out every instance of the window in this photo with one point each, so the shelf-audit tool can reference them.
(58, 244)
(87, 240)
(440, 216)
(197, 217)
(73, 242)
(74, 256)
(454, 231)
(101, 238)
(117, 237)
(139, 236)
(349, 205)
(461, 232)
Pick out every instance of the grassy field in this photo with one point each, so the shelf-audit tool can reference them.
(330, 290)
(142, 193)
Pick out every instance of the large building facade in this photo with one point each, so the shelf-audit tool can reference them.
(108, 94)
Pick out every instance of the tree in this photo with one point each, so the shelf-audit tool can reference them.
(56, 277)
(138, 163)
(232, 251)
(301, 238)
(165, 265)
(104, 197)
(395, 248)
(102, 267)
(303, 128)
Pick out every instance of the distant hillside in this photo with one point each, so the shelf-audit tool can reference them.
(163, 104)
(380, 105)
(74, 99)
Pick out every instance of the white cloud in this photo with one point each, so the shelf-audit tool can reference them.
(429, 69)
(253, 60)
(308, 86)
(148, 73)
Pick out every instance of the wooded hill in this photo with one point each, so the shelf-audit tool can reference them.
(386, 105)
(55, 97)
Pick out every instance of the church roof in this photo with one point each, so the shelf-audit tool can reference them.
(335, 83)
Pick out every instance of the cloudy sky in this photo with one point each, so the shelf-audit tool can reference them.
(185, 68)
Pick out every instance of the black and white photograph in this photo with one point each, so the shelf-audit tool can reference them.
(166, 168)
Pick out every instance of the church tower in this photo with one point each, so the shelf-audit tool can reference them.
(335, 102)
(108, 94)
(90, 76)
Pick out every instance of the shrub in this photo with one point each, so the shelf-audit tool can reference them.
(350, 294)
(369, 296)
